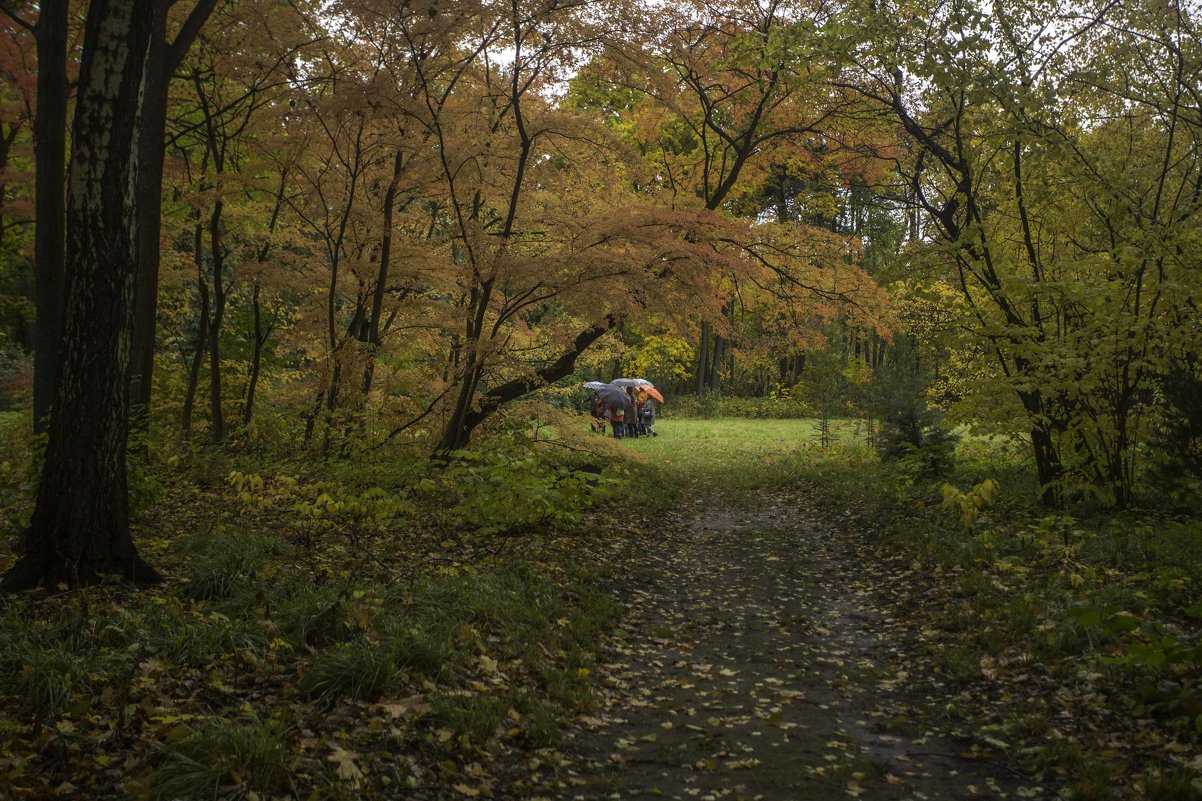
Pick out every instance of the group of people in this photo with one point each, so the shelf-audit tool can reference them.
(634, 418)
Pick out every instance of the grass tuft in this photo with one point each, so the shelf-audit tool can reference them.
(221, 759)
(361, 670)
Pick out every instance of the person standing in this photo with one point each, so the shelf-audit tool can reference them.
(631, 414)
(647, 416)
(597, 410)
(617, 419)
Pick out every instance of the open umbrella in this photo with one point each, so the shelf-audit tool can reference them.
(631, 382)
(612, 396)
(652, 391)
(594, 384)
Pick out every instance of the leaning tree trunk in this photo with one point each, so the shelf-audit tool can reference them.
(80, 524)
(458, 430)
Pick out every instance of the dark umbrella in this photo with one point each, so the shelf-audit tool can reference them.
(612, 396)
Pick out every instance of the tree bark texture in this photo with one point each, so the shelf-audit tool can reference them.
(50, 150)
(80, 524)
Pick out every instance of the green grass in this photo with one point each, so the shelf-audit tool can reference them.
(735, 457)
(221, 759)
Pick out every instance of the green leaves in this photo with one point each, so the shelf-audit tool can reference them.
(500, 492)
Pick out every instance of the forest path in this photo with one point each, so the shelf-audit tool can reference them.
(763, 657)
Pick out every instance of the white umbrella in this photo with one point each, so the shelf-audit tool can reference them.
(631, 382)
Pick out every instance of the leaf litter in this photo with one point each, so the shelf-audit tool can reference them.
(763, 657)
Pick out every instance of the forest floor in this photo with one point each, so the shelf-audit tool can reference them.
(745, 615)
(769, 648)
(765, 655)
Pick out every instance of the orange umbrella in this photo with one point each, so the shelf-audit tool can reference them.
(652, 391)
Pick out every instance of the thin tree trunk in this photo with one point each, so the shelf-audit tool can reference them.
(248, 408)
(1048, 469)
(150, 193)
(163, 59)
(198, 358)
(712, 375)
(217, 418)
(703, 356)
(256, 358)
(50, 150)
(377, 301)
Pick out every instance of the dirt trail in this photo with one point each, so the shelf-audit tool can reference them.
(761, 660)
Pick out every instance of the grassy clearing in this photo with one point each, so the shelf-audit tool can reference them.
(735, 457)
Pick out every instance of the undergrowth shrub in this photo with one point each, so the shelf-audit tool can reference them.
(500, 492)
(787, 403)
(307, 614)
(912, 434)
(196, 638)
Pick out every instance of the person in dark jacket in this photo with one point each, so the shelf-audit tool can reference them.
(632, 417)
(597, 410)
(647, 417)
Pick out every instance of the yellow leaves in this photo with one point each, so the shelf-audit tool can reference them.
(969, 504)
(742, 764)
(348, 770)
(413, 707)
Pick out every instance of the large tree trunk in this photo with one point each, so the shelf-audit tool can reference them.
(50, 150)
(80, 524)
